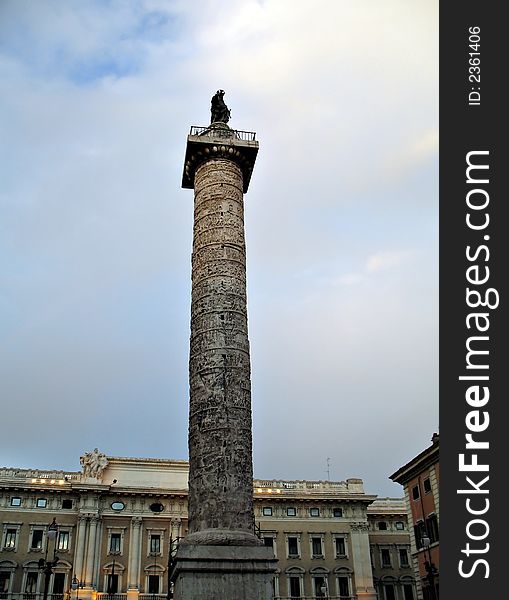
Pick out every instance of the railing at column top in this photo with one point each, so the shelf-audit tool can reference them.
(215, 132)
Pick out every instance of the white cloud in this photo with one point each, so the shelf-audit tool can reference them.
(382, 261)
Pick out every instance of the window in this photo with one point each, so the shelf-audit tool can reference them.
(316, 546)
(337, 512)
(153, 584)
(432, 528)
(5, 578)
(112, 583)
(403, 557)
(31, 582)
(115, 540)
(294, 586)
(340, 546)
(156, 507)
(426, 484)
(58, 583)
(419, 532)
(382, 525)
(343, 587)
(117, 505)
(41, 503)
(386, 557)
(66, 503)
(320, 586)
(415, 492)
(408, 592)
(267, 511)
(314, 512)
(269, 542)
(390, 594)
(293, 546)
(10, 539)
(400, 526)
(15, 501)
(36, 543)
(63, 541)
(155, 544)
(291, 511)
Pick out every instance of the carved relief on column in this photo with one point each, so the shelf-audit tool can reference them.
(79, 557)
(91, 550)
(220, 441)
(134, 553)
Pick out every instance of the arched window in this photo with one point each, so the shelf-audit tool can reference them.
(343, 578)
(294, 582)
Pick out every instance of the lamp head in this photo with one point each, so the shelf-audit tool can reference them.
(53, 529)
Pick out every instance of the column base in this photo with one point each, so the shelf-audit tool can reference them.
(85, 593)
(133, 594)
(228, 572)
(366, 595)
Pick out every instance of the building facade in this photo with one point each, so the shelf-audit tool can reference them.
(420, 479)
(120, 519)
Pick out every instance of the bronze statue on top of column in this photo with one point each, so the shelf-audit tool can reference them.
(219, 112)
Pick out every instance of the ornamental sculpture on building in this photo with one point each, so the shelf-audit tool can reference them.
(94, 463)
(219, 112)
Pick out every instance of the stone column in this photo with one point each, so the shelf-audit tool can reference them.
(134, 556)
(221, 557)
(89, 570)
(220, 456)
(363, 574)
(79, 556)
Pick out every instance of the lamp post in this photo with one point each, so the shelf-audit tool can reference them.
(45, 565)
(76, 584)
(431, 570)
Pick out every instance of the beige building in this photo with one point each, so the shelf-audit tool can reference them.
(120, 519)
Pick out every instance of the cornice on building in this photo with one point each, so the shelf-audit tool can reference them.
(417, 465)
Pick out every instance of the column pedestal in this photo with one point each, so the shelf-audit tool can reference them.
(228, 572)
(132, 594)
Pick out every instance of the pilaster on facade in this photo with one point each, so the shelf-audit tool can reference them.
(363, 574)
(134, 556)
(79, 555)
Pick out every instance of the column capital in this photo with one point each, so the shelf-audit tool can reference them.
(359, 527)
(219, 141)
(137, 521)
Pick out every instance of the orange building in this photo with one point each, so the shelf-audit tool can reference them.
(420, 479)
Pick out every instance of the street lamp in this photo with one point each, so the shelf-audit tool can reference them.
(75, 584)
(431, 570)
(45, 565)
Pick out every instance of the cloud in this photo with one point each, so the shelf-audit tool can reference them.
(382, 261)
(95, 238)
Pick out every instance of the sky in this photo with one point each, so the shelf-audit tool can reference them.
(341, 222)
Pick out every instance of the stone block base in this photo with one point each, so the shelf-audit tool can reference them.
(223, 573)
(366, 596)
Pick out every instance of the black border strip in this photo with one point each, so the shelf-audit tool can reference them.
(472, 125)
